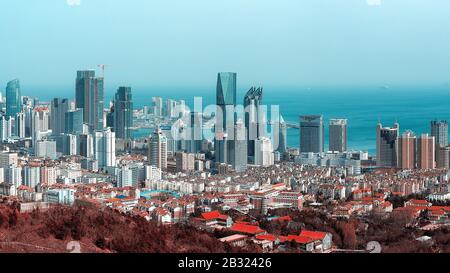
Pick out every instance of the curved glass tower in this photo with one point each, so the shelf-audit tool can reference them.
(13, 98)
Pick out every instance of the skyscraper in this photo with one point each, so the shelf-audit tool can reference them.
(311, 134)
(157, 155)
(407, 151)
(59, 108)
(253, 118)
(387, 145)
(439, 130)
(238, 148)
(90, 97)
(86, 145)
(73, 122)
(426, 152)
(225, 116)
(282, 136)
(123, 113)
(105, 147)
(13, 98)
(338, 135)
(194, 134)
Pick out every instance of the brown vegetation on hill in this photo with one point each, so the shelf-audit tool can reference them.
(98, 231)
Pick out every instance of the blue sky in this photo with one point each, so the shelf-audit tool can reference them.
(186, 42)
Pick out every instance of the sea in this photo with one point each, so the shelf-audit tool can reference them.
(413, 107)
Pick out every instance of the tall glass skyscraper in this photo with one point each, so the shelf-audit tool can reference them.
(13, 98)
(439, 129)
(89, 96)
(123, 113)
(387, 145)
(230, 143)
(73, 122)
(311, 134)
(337, 135)
(59, 108)
(226, 98)
(253, 120)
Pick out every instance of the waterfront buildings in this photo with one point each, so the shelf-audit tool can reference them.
(311, 134)
(407, 151)
(338, 135)
(426, 152)
(387, 145)
(439, 130)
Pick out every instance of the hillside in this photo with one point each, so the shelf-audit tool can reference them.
(98, 231)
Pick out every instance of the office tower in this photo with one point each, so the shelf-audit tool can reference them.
(387, 145)
(407, 151)
(193, 133)
(73, 122)
(110, 115)
(185, 162)
(59, 108)
(225, 116)
(254, 117)
(282, 137)
(439, 130)
(90, 97)
(86, 145)
(46, 149)
(157, 104)
(426, 152)
(123, 113)
(443, 157)
(158, 150)
(338, 135)
(67, 144)
(264, 152)
(20, 125)
(311, 134)
(13, 98)
(238, 148)
(28, 111)
(105, 148)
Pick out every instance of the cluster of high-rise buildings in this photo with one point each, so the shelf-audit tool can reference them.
(69, 127)
(408, 151)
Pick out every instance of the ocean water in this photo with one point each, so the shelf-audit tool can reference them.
(412, 106)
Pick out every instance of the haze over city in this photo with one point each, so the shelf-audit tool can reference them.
(184, 43)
